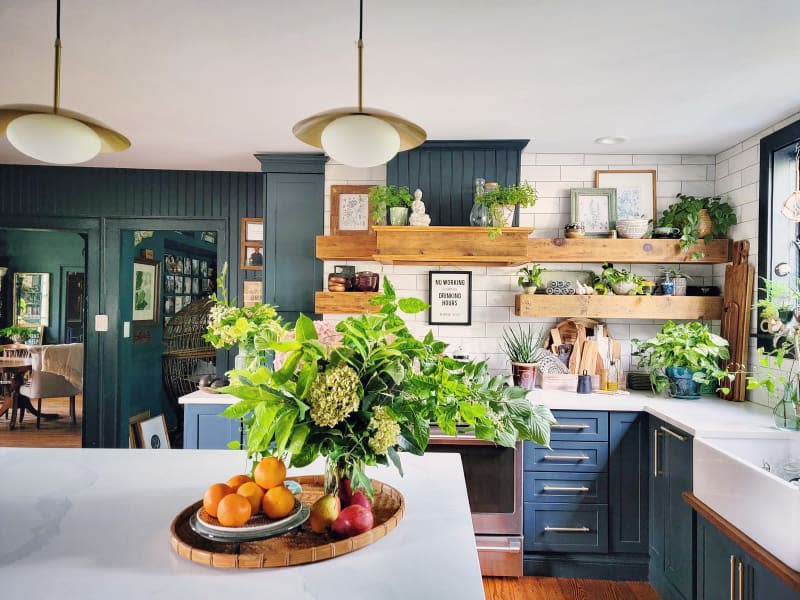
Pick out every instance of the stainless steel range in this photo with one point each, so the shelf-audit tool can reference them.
(494, 487)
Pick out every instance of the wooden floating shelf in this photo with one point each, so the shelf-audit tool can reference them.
(472, 246)
(620, 307)
(329, 303)
(598, 250)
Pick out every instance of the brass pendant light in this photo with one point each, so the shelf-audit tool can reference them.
(54, 135)
(357, 135)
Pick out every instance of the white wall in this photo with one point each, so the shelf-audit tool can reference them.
(553, 175)
(737, 180)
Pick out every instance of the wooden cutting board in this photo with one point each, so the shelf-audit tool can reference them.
(735, 327)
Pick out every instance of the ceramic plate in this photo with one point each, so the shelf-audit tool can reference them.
(259, 527)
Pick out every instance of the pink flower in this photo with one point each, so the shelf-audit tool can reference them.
(326, 335)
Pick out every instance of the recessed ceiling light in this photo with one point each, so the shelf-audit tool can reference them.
(611, 139)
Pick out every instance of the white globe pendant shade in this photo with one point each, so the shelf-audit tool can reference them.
(53, 138)
(360, 140)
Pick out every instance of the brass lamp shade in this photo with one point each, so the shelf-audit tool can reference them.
(310, 130)
(110, 140)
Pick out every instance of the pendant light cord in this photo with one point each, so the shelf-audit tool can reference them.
(360, 55)
(57, 74)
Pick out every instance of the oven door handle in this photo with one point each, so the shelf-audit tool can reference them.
(513, 546)
(583, 529)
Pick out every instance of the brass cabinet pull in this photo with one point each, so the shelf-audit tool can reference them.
(570, 426)
(555, 488)
(677, 436)
(577, 457)
(741, 580)
(655, 453)
(731, 584)
(569, 530)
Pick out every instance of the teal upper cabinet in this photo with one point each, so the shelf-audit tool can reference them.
(445, 171)
(671, 520)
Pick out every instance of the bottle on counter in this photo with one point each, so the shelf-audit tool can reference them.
(612, 381)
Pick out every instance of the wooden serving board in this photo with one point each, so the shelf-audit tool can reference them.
(735, 326)
(296, 547)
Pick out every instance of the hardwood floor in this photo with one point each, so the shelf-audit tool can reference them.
(56, 433)
(552, 588)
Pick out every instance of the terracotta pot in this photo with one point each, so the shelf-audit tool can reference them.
(704, 225)
(524, 374)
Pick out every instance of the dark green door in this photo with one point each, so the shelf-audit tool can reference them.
(716, 563)
(679, 522)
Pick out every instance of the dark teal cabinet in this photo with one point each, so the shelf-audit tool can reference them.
(671, 529)
(628, 484)
(205, 429)
(725, 570)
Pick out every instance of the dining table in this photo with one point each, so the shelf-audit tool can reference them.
(13, 371)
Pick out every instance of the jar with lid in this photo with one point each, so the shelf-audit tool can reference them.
(479, 215)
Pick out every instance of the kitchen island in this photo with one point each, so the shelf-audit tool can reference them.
(82, 523)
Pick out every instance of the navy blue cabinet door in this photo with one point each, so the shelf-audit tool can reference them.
(716, 563)
(628, 469)
(204, 428)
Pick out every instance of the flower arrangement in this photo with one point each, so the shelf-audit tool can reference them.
(360, 395)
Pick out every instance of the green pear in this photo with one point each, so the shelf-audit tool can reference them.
(324, 512)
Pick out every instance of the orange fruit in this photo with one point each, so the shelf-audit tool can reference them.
(278, 502)
(270, 472)
(233, 510)
(254, 494)
(213, 495)
(238, 480)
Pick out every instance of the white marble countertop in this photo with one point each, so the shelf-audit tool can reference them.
(87, 523)
(706, 417)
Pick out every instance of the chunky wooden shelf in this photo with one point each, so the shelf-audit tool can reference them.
(620, 307)
(346, 247)
(329, 303)
(473, 261)
(598, 250)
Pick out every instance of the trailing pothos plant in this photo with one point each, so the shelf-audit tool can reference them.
(375, 391)
(685, 216)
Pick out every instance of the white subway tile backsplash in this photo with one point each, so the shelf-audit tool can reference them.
(659, 159)
(558, 189)
(533, 174)
(744, 159)
(608, 159)
(732, 151)
(697, 188)
(725, 185)
(559, 159)
(580, 173)
(698, 159)
(682, 172)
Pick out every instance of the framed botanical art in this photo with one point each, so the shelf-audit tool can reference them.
(595, 208)
(146, 296)
(450, 297)
(350, 209)
(636, 191)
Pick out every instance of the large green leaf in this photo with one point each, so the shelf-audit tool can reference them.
(305, 378)
(411, 306)
(283, 428)
(304, 329)
(298, 439)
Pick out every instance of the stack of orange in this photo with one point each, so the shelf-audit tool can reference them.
(234, 502)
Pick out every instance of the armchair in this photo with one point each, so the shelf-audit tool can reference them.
(46, 384)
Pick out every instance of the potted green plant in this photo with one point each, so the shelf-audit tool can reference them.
(698, 218)
(524, 348)
(530, 278)
(778, 301)
(17, 333)
(397, 199)
(502, 202)
(682, 357)
(620, 281)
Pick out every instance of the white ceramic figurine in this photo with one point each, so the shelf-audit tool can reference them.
(418, 217)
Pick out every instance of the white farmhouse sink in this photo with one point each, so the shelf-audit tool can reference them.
(730, 478)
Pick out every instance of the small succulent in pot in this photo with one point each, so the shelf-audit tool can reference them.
(524, 348)
(530, 278)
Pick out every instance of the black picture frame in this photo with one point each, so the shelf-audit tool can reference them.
(435, 288)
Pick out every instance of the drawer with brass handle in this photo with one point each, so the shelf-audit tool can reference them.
(580, 488)
(580, 426)
(569, 457)
(565, 528)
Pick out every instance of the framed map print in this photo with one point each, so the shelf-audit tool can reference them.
(350, 209)
(636, 191)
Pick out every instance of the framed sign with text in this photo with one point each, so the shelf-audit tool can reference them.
(450, 297)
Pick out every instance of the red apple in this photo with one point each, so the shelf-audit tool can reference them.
(360, 498)
(353, 520)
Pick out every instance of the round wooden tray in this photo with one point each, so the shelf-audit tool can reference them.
(296, 547)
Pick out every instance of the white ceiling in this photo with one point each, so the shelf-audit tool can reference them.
(204, 84)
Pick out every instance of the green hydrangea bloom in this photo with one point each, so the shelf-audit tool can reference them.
(334, 395)
(386, 431)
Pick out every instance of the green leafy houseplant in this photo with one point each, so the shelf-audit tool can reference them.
(777, 300)
(685, 216)
(523, 346)
(689, 346)
(619, 280)
(383, 197)
(530, 276)
(523, 195)
(13, 331)
(369, 390)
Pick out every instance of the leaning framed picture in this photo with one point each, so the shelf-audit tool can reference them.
(146, 296)
(595, 208)
(350, 209)
(450, 297)
(153, 433)
(636, 191)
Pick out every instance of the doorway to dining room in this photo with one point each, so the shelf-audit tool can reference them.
(42, 324)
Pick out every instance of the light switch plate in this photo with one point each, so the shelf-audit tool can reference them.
(126, 329)
(101, 322)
